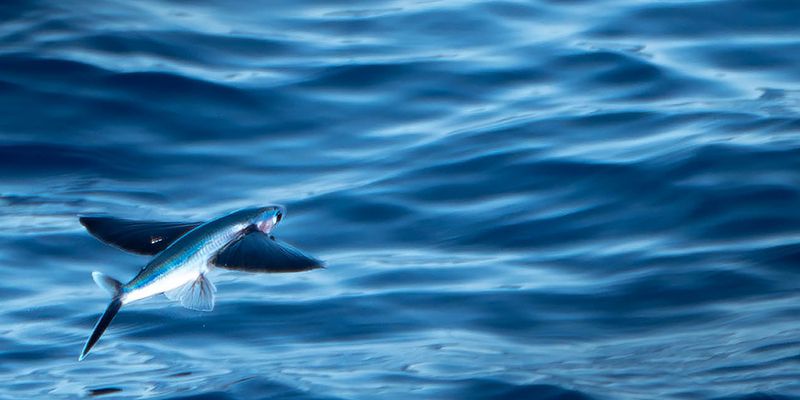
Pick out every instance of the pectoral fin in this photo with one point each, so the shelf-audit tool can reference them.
(196, 295)
(140, 237)
(258, 252)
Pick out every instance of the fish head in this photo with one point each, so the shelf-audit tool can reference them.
(268, 217)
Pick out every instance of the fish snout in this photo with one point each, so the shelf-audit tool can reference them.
(280, 213)
(270, 217)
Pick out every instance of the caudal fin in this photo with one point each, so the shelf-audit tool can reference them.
(101, 326)
(107, 283)
(114, 287)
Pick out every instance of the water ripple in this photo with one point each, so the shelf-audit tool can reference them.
(580, 200)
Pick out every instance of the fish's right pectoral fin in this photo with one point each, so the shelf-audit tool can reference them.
(259, 252)
(139, 237)
(196, 295)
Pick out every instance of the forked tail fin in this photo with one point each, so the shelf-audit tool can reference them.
(114, 287)
(109, 284)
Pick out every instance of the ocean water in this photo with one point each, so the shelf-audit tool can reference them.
(515, 199)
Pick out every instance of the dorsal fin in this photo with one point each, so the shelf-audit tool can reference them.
(139, 237)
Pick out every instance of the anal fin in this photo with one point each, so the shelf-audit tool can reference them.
(195, 295)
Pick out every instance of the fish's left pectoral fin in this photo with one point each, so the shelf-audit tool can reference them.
(138, 237)
(196, 295)
(259, 252)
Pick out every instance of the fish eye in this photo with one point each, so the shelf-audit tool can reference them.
(278, 217)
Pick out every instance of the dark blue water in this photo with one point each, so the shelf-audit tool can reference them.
(515, 199)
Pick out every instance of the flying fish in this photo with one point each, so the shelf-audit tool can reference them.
(184, 254)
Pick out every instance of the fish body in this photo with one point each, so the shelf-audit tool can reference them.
(239, 241)
(187, 258)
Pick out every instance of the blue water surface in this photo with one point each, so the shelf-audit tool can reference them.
(515, 199)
